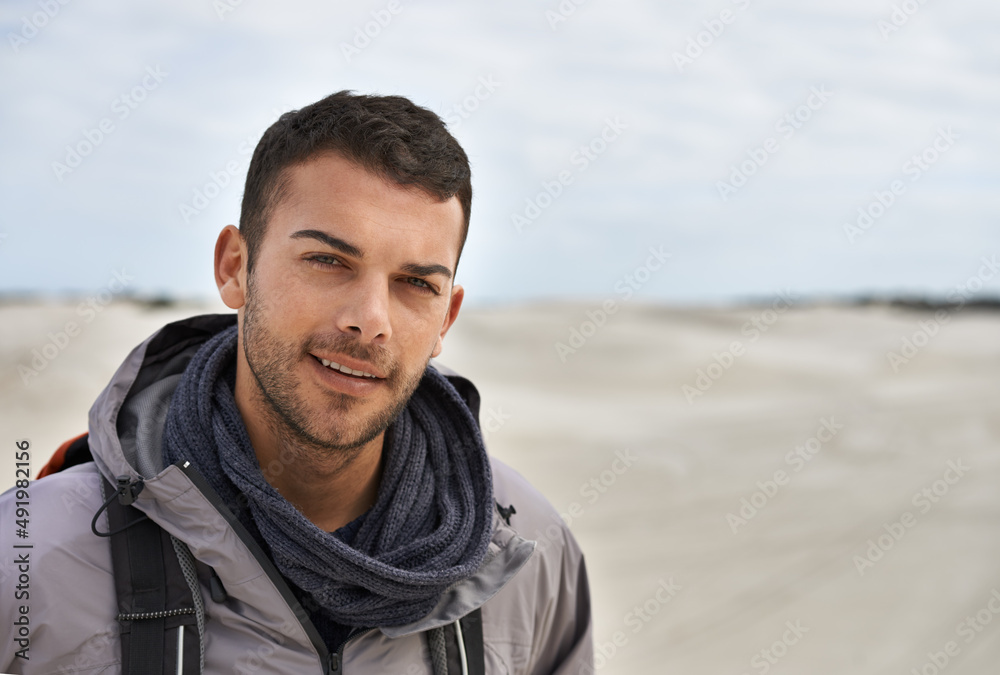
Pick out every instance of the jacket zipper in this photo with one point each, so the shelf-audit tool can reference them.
(325, 657)
(335, 662)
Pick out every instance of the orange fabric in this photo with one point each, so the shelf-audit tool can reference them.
(55, 463)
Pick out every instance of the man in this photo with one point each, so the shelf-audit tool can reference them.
(320, 485)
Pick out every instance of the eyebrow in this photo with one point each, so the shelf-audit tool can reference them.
(331, 241)
(427, 270)
(417, 269)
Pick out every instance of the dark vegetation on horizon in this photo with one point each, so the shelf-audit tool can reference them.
(901, 301)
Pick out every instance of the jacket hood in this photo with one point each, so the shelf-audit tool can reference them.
(126, 424)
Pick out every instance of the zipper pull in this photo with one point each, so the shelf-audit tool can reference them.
(334, 662)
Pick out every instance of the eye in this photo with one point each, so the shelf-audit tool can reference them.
(324, 261)
(421, 284)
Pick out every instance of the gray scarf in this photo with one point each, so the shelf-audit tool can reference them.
(431, 523)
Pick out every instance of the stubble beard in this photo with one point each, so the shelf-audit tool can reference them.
(278, 393)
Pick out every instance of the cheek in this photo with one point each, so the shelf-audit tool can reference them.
(288, 300)
(429, 332)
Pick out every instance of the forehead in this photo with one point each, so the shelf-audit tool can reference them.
(333, 194)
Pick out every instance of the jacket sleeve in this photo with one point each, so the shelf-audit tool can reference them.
(63, 592)
(565, 644)
(540, 623)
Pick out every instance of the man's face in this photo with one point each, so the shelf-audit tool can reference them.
(356, 272)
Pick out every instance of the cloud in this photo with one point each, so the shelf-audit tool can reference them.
(230, 76)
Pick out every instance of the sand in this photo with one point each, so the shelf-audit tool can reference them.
(866, 551)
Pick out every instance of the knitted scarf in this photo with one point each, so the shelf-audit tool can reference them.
(429, 528)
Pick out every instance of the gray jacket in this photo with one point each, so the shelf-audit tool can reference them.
(532, 588)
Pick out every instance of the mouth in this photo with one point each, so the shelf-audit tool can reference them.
(346, 370)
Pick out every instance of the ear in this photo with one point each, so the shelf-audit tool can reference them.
(230, 267)
(457, 295)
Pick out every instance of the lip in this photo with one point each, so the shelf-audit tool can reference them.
(351, 363)
(346, 384)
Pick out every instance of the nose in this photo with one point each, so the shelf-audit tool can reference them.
(365, 310)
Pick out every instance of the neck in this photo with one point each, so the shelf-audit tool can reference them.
(330, 488)
(329, 491)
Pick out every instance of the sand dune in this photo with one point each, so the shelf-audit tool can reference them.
(866, 550)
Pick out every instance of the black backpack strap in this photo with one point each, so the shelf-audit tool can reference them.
(472, 637)
(155, 605)
(78, 452)
(464, 642)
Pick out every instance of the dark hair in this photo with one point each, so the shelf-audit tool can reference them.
(389, 136)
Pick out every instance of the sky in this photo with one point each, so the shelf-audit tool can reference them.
(678, 152)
